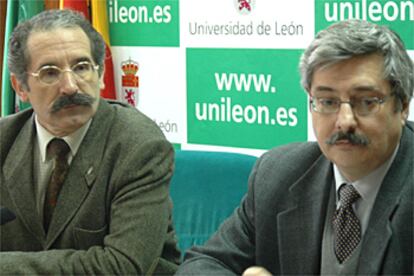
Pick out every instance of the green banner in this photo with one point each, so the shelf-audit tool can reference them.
(7, 93)
(17, 11)
(397, 14)
(144, 22)
(245, 98)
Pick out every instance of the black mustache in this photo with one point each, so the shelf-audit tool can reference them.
(75, 99)
(353, 138)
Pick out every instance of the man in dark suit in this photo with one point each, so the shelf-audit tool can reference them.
(112, 214)
(343, 205)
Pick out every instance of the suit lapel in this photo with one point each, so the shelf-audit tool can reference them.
(18, 172)
(301, 225)
(82, 172)
(379, 231)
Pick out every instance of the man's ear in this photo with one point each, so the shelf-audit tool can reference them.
(19, 88)
(404, 112)
(101, 78)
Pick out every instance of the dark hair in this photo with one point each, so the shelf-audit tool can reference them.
(346, 39)
(18, 55)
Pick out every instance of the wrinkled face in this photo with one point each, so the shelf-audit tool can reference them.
(346, 80)
(58, 105)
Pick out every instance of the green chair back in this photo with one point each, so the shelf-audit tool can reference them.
(206, 188)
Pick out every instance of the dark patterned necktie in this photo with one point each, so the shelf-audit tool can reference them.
(59, 150)
(347, 229)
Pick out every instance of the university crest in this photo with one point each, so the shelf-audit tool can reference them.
(130, 81)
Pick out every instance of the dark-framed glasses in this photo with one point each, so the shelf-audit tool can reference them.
(362, 106)
(51, 74)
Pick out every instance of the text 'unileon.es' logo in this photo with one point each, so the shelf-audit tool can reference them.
(130, 81)
(244, 6)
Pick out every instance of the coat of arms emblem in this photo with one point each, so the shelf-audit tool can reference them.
(130, 81)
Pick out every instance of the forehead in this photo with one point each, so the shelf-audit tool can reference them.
(58, 47)
(351, 74)
(356, 65)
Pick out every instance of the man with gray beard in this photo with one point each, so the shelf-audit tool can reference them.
(86, 179)
(342, 205)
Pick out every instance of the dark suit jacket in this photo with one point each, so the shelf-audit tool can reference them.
(280, 222)
(113, 212)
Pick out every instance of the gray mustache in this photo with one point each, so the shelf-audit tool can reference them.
(353, 138)
(75, 99)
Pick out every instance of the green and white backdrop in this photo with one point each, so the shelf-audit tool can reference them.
(223, 75)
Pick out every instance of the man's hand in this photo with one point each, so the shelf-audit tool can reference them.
(256, 271)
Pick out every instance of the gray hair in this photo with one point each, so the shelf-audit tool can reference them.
(346, 39)
(18, 55)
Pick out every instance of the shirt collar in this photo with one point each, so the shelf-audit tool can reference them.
(73, 140)
(367, 186)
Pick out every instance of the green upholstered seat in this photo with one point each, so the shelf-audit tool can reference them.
(206, 188)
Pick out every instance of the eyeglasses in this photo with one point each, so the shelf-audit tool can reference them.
(362, 106)
(51, 74)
